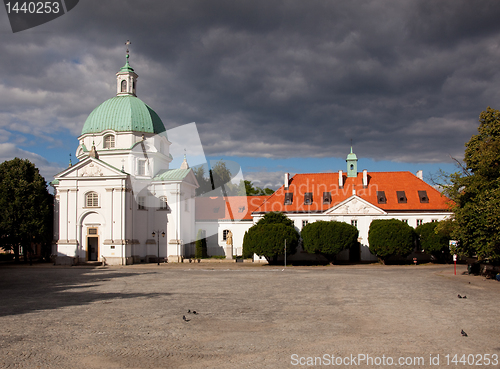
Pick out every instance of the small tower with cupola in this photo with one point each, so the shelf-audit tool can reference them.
(352, 165)
(126, 79)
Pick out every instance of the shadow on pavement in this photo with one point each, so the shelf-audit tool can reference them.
(24, 290)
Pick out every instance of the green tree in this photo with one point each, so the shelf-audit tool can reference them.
(475, 191)
(434, 240)
(267, 237)
(390, 237)
(26, 215)
(246, 188)
(219, 177)
(203, 181)
(200, 245)
(328, 238)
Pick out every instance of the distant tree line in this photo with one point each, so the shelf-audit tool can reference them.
(219, 177)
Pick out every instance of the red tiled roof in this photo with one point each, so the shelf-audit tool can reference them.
(389, 182)
(227, 208)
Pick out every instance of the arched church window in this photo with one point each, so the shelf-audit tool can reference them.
(124, 86)
(92, 200)
(109, 142)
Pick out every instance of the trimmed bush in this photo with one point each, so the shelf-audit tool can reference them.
(267, 237)
(390, 237)
(434, 241)
(328, 238)
(200, 245)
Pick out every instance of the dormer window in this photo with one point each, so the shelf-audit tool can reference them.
(288, 198)
(308, 198)
(327, 197)
(381, 199)
(109, 142)
(124, 86)
(423, 196)
(401, 197)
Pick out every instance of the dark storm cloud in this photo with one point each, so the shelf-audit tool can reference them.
(406, 80)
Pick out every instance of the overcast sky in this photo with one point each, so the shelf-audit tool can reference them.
(273, 85)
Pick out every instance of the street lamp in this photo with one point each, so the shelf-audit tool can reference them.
(163, 235)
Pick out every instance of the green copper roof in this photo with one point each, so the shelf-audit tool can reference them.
(352, 156)
(126, 67)
(172, 175)
(123, 114)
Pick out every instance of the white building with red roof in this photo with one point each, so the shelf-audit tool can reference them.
(345, 196)
(357, 199)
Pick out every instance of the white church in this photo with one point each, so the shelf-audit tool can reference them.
(121, 203)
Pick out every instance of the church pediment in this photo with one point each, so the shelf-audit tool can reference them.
(355, 205)
(90, 167)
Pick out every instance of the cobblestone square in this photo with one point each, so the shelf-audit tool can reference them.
(248, 316)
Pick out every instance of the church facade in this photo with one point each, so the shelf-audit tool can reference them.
(121, 203)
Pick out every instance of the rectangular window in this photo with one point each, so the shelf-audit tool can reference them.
(186, 205)
(381, 199)
(401, 197)
(423, 196)
(420, 222)
(92, 230)
(163, 203)
(304, 223)
(308, 198)
(141, 203)
(404, 221)
(327, 197)
(354, 223)
(141, 170)
(288, 198)
(434, 220)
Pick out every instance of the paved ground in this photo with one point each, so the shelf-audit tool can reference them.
(249, 316)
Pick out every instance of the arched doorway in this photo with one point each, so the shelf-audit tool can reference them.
(92, 231)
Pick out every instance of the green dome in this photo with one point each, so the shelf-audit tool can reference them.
(123, 114)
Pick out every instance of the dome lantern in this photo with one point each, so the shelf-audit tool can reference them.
(126, 78)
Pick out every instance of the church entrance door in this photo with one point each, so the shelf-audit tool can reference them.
(92, 244)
